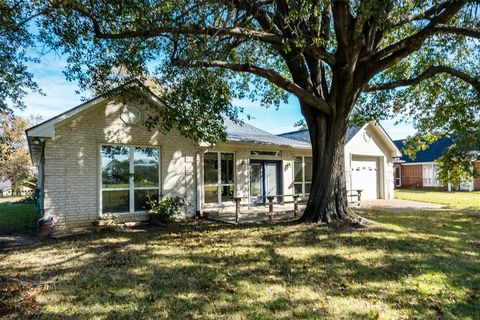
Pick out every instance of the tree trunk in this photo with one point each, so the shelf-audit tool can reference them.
(328, 196)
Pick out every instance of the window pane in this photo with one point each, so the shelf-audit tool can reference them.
(211, 194)
(308, 187)
(298, 188)
(146, 167)
(210, 164)
(227, 168)
(255, 179)
(308, 168)
(142, 197)
(115, 201)
(297, 169)
(227, 193)
(115, 167)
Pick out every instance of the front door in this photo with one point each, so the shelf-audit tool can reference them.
(265, 180)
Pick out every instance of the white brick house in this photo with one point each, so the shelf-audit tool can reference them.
(98, 158)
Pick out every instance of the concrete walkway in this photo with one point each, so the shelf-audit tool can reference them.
(399, 205)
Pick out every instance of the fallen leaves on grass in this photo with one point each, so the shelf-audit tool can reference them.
(18, 296)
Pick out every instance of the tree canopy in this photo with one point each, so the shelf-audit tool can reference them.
(372, 59)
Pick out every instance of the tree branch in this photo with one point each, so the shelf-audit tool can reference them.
(428, 73)
(245, 33)
(463, 31)
(399, 50)
(268, 74)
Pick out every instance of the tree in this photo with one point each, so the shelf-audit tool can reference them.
(15, 162)
(330, 54)
(457, 164)
(15, 39)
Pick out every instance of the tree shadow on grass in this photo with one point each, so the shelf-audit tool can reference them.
(401, 268)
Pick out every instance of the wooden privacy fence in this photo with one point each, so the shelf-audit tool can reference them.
(270, 204)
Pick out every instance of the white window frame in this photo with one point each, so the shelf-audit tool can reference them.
(398, 181)
(303, 182)
(219, 183)
(431, 181)
(131, 182)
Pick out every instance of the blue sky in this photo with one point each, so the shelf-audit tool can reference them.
(61, 96)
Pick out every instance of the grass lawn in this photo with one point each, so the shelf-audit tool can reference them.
(453, 200)
(17, 217)
(423, 265)
(4, 200)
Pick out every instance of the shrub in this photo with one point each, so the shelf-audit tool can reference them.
(164, 210)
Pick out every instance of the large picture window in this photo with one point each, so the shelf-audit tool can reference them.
(218, 177)
(302, 175)
(130, 178)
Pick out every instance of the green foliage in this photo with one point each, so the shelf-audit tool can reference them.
(14, 157)
(457, 165)
(300, 124)
(15, 41)
(164, 210)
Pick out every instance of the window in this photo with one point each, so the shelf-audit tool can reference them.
(130, 178)
(302, 175)
(219, 177)
(429, 175)
(397, 176)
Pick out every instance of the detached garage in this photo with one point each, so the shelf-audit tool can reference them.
(369, 156)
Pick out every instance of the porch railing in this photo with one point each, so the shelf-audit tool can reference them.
(296, 202)
(270, 198)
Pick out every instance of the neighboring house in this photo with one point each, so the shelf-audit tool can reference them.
(421, 172)
(5, 188)
(99, 158)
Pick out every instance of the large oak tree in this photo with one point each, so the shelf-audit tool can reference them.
(332, 55)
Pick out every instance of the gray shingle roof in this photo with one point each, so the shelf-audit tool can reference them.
(249, 134)
(302, 135)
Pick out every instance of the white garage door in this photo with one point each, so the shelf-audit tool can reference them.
(365, 177)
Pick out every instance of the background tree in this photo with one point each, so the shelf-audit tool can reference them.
(329, 54)
(15, 162)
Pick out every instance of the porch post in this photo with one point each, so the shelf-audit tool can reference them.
(295, 205)
(270, 207)
(237, 209)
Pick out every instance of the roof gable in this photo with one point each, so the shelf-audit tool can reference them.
(46, 129)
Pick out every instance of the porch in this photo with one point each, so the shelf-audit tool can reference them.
(274, 209)
(271, 211)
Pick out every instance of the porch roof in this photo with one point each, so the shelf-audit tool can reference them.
(246, 133)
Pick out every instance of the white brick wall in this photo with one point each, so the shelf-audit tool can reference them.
(72, 163)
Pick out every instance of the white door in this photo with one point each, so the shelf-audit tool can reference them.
(365, 178)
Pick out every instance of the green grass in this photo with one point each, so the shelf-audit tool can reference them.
(4, 200)
(17, 217)
(422, 265)
(453, 200)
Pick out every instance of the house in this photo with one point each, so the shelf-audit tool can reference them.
(99, 158)
(421, 172)
(5, 188)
